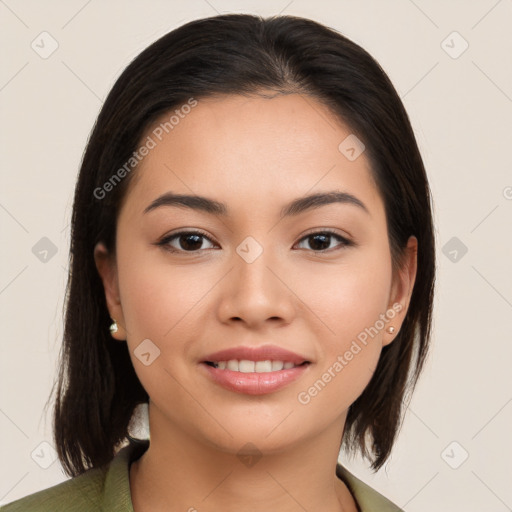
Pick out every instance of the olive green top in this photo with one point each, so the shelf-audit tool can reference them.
(107, 489)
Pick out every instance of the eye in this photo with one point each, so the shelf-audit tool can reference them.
(321, 240)
(186, 241)
(192, 241)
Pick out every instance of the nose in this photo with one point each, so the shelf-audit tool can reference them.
(256, 292)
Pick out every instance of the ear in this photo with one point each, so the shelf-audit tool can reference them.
(107, 269)
(401, 289)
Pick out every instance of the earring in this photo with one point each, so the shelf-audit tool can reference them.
(113, 327)
(390, 329)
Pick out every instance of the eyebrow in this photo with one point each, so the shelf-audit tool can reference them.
(295, 207)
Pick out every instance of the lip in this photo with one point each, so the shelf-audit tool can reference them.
(262, 353)
(254, 383)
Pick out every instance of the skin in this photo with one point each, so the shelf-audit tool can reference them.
(255, 155)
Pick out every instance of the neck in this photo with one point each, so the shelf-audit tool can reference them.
(177, 472)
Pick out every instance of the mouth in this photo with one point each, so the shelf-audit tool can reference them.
(253, 377)
(254, 370)
(248, 366)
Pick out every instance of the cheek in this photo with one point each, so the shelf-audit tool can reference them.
(160, 303)
(351, 331)
(158, 299)
(347, 296)
(337, 384)
(348, 302)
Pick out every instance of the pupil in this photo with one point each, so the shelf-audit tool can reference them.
(188, 246)
(325, 243)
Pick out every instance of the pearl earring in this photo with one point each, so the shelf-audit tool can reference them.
(390, 329)
(113, 327)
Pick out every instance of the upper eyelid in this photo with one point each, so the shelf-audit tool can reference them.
(313, 231)
(331, 231)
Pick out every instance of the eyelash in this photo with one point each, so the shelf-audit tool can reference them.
(164, 242)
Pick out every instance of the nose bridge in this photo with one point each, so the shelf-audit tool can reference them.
(256, 291)
(253, 261)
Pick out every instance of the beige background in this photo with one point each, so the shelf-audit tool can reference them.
(461, 109)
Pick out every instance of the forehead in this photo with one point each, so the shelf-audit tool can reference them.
(251, 148)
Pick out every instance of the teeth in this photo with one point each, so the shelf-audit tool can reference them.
(277, 365)
(246, 366)
(233, 365)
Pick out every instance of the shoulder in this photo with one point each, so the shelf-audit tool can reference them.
(105, 488)
(80, 493)
(367, 498)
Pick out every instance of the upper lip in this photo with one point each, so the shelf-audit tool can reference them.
(262, 353)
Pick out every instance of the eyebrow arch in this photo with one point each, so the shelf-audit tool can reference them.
(295, 207)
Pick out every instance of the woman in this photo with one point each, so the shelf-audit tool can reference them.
(253, 256)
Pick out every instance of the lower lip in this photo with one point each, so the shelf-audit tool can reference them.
(255, 383)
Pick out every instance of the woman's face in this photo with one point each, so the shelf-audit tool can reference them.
(254, 277)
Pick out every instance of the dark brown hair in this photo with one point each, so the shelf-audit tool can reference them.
(97, 388)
